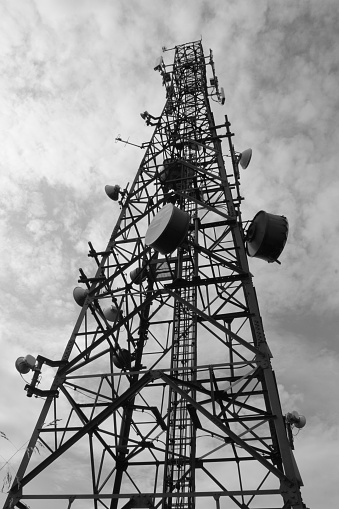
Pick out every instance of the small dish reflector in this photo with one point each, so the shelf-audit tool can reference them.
(111, 313)
(25, 364)
(245, 158)
(122, 359)
(79, 295)
(299, 421)
(168, 229)
(112, 192)
(138, 275)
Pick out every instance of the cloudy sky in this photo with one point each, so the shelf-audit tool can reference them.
(75, 74)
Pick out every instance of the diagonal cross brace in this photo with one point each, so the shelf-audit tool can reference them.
(172, 383)
(216, 324)
(90, 426)
(105, 334)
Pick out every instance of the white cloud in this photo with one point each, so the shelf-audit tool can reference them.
(74, 75)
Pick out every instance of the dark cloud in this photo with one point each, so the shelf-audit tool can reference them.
(75, 74)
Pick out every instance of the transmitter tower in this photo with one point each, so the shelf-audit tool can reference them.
(165, 395)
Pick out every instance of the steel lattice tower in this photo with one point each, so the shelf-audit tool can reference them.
(165, 395)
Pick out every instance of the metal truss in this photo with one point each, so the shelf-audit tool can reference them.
(192, 415)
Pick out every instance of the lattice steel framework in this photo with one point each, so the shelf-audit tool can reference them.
(192, 415)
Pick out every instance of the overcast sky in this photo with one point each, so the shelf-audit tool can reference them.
(74, 74)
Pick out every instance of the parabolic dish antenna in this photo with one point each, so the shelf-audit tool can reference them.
(168, 229)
